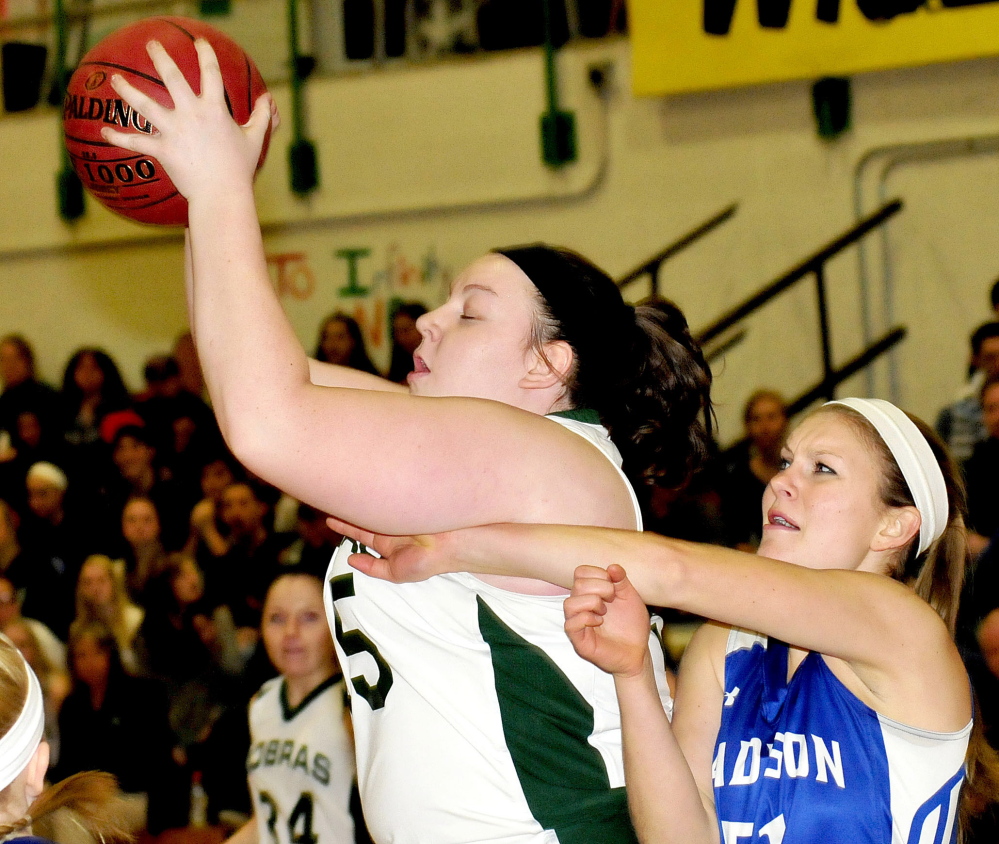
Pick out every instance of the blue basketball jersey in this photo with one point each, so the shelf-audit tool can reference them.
(806, 761)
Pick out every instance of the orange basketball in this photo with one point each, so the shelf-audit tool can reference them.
(130, 184)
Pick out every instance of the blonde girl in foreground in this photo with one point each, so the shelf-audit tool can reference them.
(24, 759)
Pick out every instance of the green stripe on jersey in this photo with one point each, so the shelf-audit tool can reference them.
(547, 724)
(579, 414)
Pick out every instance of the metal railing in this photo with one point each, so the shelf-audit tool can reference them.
(651, 267)
(814, 266)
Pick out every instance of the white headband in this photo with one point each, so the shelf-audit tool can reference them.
(21, 740)
(915, 459)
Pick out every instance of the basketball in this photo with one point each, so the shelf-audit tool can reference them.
(130, 184)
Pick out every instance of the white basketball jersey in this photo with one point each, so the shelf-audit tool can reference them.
(301, 766)
(474, 718)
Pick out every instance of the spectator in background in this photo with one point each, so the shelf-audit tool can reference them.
(21, 388)
(57, 536)
(92, 387)
(185, 632)
(35, 437)
(240, 578)
(34, 581)
(101, 596)
(749, 466)
(144, 554)
(341, 342)
(189, 644)
(981, 473)
(182, 427)
(316, 542)
(44, 638)
(960, 424)
(113, 722)
(140, 473)
(208, 537)
(405, 338)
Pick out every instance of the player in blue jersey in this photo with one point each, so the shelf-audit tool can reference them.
(24, 760)
(827, 701)
(538, 395)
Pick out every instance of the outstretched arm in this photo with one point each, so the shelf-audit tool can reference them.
(608, 624)
(891, 638)
(375, 457)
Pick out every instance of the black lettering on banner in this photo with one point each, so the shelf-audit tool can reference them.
(355, 642)
(718, 14)
(774, 14)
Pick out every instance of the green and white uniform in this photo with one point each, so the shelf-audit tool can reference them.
(301, 766)
(474, 719)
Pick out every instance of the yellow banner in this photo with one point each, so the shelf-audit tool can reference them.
(697, 45)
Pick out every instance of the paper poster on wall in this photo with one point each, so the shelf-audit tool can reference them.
(697, 45)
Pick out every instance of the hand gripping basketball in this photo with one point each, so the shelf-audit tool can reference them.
(204, 151)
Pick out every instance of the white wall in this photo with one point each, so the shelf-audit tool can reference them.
(427, 167)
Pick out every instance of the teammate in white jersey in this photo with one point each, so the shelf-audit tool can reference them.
(524, 333)
(849, 720)
(301, 760)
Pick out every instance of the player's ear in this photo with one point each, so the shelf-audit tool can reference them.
(899, 526)
(37, 767)
(549, 367)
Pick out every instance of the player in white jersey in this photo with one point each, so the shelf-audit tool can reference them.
(850, 719)
(301, 760)
(544, 741)
(524, 332)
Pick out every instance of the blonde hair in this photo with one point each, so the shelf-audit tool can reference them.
(116, 620)
(91, 795)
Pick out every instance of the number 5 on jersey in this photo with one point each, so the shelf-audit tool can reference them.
(354, 642)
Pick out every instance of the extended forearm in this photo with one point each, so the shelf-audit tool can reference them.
(665, 803)
(250, 356)
(552, 553)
